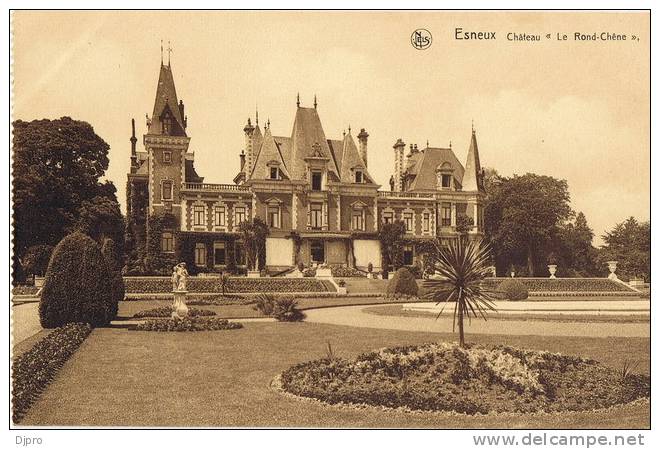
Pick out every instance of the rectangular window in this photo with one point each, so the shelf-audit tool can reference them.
(358, 220)
(388, 217)
(274, 216)
(167, 190)
(167, 242)
(273, 173)
(316, 215)
(219, 213)
(446, 214)
(219, 253)
(317, 177)
(446, 181)
(408, 220)
(198, 215)
(358, 177)
(426, 222)
(167, 157)
(408, 255)
(200, 254)
(239, 215)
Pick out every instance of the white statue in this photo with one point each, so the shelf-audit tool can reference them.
(179, 281)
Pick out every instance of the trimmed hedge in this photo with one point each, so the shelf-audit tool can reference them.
(235, 285)
(187, 324)
(402, 283)
(513, 290)
(33, 370)
(114, 271)
(77, 287)
(566, 284)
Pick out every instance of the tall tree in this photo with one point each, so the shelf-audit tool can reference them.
(101, 219)
(391, 243)
(57, 166)
(254, 233)
(629, 243)
(574, 248)
(522, 216)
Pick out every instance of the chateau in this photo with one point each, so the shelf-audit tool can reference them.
(314, 192)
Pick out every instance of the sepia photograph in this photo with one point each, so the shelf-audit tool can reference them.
(331, 219)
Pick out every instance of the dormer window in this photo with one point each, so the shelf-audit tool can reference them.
(317, 180)
(274, 173)
(359, 179)
(446, 181)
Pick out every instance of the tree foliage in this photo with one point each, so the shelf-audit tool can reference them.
(56, 168)
(254, 233)
(522, 215)
(36, 258)
(629, 243)
(114, 272)
(391, 236)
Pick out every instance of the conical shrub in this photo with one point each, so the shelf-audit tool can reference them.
(77, 287)
(114, 271)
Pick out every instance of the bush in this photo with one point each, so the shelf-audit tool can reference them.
(166, 312)
(286, 309)
(235, 285)
(188, 324)
(513, 290)
(114, 271)
(340, 271)
(77, 287)
(566, 284)
(403, 282)
(33, 370)
(264, 304)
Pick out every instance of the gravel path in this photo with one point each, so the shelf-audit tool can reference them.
(25, 321)
(355, 316)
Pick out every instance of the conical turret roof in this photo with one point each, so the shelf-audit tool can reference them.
(472, 181)
(166, 102)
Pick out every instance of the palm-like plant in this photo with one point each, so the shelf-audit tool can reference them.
(463, 265)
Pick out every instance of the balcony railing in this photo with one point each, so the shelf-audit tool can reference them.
(215, 187)
(406, 195)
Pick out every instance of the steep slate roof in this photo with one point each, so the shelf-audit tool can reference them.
(257, 139)
(268, 152)
(166, 99)
(425, 169)
(351, 159)
(307, 132)
(472, 180)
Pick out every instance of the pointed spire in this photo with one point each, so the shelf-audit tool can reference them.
(161, 52)
(169, 53)
(472, 179)
(450, 144)
(472, 126)
(349, 128)
(256, 111)
(298, 100)
(268, 123)
(167, 116)
(315, 104)
(427, 143)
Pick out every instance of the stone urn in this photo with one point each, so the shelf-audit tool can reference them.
(179, 307)
(611, 265)
(552, 268)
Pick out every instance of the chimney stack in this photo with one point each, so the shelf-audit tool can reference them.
(399, 148)
(362, 138)
(133, 143)
(249, 145)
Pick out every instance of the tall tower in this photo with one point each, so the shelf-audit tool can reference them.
(166, 143)
(399, 147)
(249, 148)
(362, 138)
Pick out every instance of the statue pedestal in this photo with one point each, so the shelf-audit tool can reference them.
(179, 307)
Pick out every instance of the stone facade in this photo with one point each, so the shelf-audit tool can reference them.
(315, 193)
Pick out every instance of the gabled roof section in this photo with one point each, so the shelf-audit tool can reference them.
(350, 160)
(269, 152)
(472, 181)
(308, 133)
(191, 173)
(425, 169)
(166, 102)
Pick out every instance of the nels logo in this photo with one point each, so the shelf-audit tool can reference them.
(421, 39)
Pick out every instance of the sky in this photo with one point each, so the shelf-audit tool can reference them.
(575, 110)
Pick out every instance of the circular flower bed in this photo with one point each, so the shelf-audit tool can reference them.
(166, 312)
(478, 379)
(187, 324)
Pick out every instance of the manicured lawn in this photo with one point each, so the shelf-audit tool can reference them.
(397, 310)
(127, 378)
